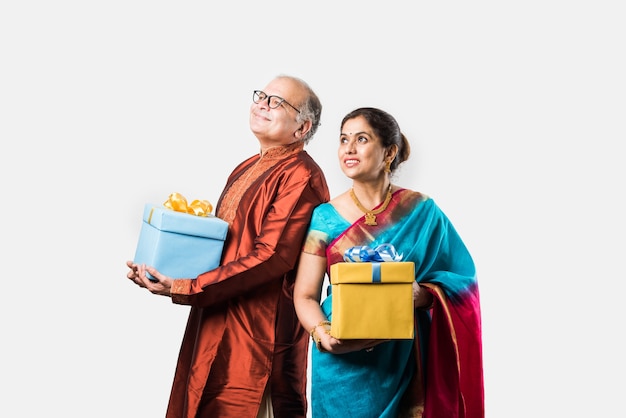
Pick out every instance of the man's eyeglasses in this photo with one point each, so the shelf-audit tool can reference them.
(272, 101)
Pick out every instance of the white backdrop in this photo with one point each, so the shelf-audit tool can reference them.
(515, 112)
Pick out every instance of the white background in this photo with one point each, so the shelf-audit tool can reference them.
(515, 112)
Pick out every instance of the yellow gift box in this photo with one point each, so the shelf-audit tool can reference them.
(372, 300)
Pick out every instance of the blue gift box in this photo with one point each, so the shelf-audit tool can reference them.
(178, 244)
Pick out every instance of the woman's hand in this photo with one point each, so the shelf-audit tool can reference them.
(333, 345)
(422, 298)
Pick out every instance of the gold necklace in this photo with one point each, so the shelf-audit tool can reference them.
(370, 215)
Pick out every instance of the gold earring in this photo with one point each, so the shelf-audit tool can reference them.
(388, 166)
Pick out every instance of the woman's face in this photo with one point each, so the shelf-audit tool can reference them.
(361, 153)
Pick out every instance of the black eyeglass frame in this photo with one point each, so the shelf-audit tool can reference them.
(256, 99)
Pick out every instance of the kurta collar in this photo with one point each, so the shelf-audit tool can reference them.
(281, 151)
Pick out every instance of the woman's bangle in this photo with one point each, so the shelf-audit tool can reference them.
(316, 339)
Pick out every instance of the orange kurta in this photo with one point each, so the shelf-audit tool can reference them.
(243, 333)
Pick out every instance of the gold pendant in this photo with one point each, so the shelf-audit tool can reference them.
(370, 219)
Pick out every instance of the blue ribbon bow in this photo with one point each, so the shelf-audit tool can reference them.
(383, 252)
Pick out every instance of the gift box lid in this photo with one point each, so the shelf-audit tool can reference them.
(372, 272)
(169, 220)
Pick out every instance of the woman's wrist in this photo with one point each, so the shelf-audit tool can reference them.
(325, 325)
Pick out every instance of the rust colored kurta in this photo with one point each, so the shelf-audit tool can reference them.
(243, 333)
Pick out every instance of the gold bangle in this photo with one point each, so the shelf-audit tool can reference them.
(325, 324)
(316, 339)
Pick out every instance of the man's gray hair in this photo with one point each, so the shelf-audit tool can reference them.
(311, 109)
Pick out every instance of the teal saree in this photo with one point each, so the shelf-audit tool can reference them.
(439, 372)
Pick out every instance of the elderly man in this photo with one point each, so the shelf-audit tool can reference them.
(244, 353)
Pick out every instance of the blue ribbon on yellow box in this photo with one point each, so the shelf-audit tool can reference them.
(383, 252)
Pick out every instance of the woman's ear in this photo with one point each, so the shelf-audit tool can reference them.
(392, 151)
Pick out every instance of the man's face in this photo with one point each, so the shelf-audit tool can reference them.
(277, 126)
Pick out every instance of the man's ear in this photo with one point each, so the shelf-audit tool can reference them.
(303, 129)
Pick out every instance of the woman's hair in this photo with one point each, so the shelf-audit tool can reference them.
(386, 128)
(310, 109)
